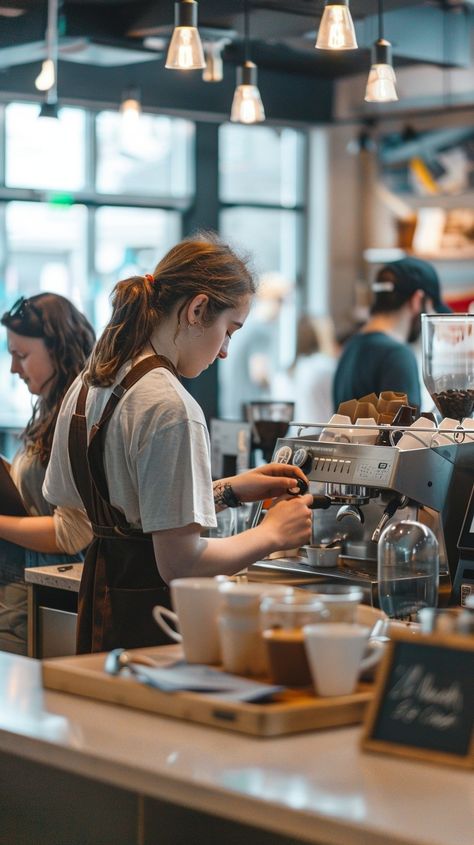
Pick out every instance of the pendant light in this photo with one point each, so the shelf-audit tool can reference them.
(48, 74)
(381, 82)
(49, 109)
(131, 107)
(336, 30)
(214, 70)
(185, 51)
(247, 106)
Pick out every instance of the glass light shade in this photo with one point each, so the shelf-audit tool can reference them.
(336, 30)
(48, 111)
(247, 106)
(214, 70)
(130, 108)
(46, 77)
(185, 51)
(381, 84)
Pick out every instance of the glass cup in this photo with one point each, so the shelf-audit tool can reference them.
(282, 619)
(339, 600)
(408, 569)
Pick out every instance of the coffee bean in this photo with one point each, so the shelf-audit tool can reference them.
(455, 403)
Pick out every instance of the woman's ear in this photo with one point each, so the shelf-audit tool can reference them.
(196, 308)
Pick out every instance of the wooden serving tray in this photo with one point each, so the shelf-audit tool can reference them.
(291, 711)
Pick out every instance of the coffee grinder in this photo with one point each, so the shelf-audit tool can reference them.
(269, 420)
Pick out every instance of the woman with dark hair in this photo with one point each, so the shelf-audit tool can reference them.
(131, 428)
(49, 341)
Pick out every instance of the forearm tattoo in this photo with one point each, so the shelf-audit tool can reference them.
(224, 496)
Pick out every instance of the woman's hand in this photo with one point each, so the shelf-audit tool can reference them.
(289, 522)
(269, 481)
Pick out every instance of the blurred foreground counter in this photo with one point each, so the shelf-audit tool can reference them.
(79, 771)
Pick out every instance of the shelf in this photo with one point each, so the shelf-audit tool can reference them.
(387, 254)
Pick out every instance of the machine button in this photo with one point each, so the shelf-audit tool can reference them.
(283, 455)
(302, 458)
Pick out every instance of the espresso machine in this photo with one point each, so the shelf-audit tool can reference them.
(359, 488)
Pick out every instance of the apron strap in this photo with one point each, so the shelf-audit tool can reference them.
(89, 476)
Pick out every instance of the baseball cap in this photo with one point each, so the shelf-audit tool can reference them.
(412, 274)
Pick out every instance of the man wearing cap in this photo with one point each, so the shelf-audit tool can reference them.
(378, 358)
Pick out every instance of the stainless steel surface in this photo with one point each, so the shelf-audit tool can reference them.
(56, 633)
(431, 485)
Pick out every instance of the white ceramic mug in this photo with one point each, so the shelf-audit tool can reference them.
(335, 655)
(196, 602)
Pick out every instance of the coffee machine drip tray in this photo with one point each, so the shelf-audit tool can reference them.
(296, 572)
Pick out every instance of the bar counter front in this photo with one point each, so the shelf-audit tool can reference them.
(78, 771)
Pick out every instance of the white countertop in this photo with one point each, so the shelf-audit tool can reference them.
(317, 787)
(52, 576)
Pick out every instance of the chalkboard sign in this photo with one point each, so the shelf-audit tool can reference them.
(424, 700)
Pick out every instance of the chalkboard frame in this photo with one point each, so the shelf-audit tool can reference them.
(373, 738)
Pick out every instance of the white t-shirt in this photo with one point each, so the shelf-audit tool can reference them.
(157, 454)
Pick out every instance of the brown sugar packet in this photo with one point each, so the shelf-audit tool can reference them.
(390, 401)
(366, 409)
(371, 398)
(348, 409)
(390, 395)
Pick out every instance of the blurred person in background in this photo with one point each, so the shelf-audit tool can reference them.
(308, 382)
(49, 341)
(248, 372)
(378, 357)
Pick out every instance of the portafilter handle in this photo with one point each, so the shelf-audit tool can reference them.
(320, 501)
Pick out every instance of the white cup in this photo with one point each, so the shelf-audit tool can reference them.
(365, 431)
(446, 439)
(196, 602)
(337, 435)
(335, 655)
(414, 439)
(242, 646)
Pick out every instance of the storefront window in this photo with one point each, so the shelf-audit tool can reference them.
(261, 164)
(45, 251)
(129, 241)
(152, 156)
(42, 152)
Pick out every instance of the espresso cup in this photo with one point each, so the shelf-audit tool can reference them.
(335, 655)
(196, 602)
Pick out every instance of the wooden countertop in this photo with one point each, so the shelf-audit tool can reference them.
(315, 787)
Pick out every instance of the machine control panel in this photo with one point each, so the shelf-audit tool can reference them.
(358, 470)
(340, 463)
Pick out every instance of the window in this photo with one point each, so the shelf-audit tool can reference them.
(46, 251)
(44, 153)
(129, 241)
(262, 197)
(92, 222)
(261, 164)
(152, 156)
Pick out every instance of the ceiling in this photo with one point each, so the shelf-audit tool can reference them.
(108, 44)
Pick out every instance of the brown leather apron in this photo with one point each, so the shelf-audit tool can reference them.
(120, 583)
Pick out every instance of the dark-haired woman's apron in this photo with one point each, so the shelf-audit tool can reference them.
(120, 584)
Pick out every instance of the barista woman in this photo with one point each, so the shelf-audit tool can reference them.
(144, 474)
(49, 341)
